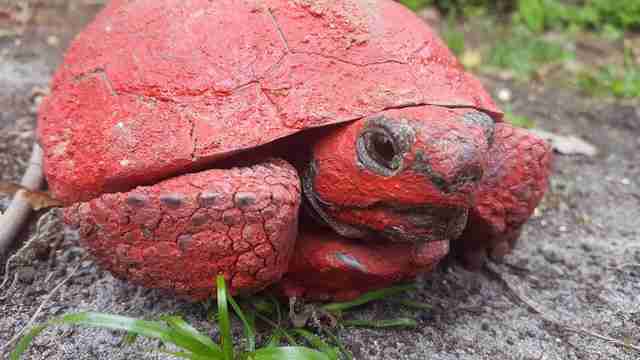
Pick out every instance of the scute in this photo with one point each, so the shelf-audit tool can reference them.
(157, 87)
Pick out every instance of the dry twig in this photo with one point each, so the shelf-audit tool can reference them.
(13, 220)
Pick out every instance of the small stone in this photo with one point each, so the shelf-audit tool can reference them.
(504, 95)
(586, 247)
(551, 256)
(625, 181)
(562, 229)
(53, 40)
(536, 213)
(426, 316)
(27, 274)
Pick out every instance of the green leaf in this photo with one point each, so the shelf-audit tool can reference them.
(343, 349)
(368, 297)
(223, 322)
(287, 353)
(278, 329)
(400, 322)
(151, 329)
(416, 5)
(186, 355)
(274, 340)
(532, 12)
(189, 338)
(263, 305)
(317, 342)
(248, 328)
(130, 338)
(26, 340)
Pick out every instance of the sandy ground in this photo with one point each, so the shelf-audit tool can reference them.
(578, 261)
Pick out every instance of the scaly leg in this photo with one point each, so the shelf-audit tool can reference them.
(180, 233)
(326, 266)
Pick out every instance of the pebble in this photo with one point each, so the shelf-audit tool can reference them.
(625, 181)
(504, 95)
(71, 253)
(551, 256)
(27, 274)
(53, 40)
(586, 247)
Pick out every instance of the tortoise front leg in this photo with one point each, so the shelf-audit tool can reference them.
(513, 185)
(180, 233)
(326, 266)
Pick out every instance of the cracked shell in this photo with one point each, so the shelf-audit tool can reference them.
(160, 87)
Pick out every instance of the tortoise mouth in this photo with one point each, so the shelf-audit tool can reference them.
(427, 223)
(396, 223)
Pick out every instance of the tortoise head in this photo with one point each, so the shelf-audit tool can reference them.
(405, 175)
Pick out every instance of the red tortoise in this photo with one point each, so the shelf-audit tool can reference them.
(330, 147)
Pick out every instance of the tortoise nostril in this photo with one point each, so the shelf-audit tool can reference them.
(469, 174)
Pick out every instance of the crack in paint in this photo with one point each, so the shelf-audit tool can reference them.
(279, 29)
(335, 58)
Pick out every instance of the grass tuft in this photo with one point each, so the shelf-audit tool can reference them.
(190, 342)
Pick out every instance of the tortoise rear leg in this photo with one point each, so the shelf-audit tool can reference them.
(180, 233)
(513, 185)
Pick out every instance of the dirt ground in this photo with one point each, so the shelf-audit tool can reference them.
(578, 260)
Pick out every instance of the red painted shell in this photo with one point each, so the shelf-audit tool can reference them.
(157, 87)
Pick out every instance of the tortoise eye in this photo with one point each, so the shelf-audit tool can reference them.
(377, 151)
(382, 144)
(380, 148)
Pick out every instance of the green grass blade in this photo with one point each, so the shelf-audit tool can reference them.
(26, 340)
(318, 343)
(278, 329)
(274, 340)
(249, 332)
(185, 355)
(287, 353)
(189, 338)
(391, 323)
(151, 329)
(343, 349)
(223, 322)
(276, 304)
(129, 338)
(263, 305)
(367, 297)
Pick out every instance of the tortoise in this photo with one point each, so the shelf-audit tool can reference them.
(324, 148)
